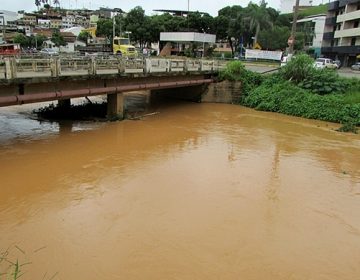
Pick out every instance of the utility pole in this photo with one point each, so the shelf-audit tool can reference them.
(113, 27)
(120, 16)
(187, 18)
(293, 28)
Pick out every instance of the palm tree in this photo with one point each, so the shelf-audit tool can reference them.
(37, 3)
(258, 18)
(57, 3)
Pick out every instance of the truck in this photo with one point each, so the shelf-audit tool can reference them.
(120, 46)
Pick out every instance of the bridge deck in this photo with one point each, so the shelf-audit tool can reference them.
(13, 69)
(36, 80)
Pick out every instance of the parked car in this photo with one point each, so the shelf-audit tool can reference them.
(325, 63)
(48, 51)
(338, 63)
(356, 66)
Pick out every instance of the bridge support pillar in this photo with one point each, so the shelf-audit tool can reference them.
(115, 106)
(64, 103)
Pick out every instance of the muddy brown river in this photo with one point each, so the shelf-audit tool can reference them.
(198, 191)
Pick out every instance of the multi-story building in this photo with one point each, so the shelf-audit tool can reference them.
(44, 22)
(313, 28)
(68, 21)
(29, 19)
(341, 38)
(56, 23)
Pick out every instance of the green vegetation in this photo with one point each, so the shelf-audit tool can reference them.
(314, 10)
(236, 25)
(9, 268)
(299, 89)
(235, 71)
(29, 41)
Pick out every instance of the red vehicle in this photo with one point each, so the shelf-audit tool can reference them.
(10, 49)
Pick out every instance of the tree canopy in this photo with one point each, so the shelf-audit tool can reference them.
(239, 26)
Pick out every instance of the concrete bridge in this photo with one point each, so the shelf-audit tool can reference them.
(28, 80)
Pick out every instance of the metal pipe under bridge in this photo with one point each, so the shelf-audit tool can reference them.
(29, 80)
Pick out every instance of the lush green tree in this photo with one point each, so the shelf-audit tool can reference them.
(135, 22)
(258, 18)
(22, 40)
(230, 26)
(200, 22)
(284, 20)
(275, 38)
(104, 28)
(299, 41)
(84, 36)
(37, 41)
(58, 39)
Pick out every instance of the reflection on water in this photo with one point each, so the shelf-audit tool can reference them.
(199, 191)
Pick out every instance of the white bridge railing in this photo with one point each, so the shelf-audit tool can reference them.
(13, 68)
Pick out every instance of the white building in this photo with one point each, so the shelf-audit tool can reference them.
(44, 23)
(6, 16)
(316, 24)
(287, 6)
(68, 21)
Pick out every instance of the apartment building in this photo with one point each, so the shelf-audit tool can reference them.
(29, 19)
(313, 27)
(341, 39)
(68, 21)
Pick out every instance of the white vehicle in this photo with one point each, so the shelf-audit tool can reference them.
(322, 63)
(48, 51)
(285, 60)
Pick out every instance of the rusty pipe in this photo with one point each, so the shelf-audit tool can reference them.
(58, 95)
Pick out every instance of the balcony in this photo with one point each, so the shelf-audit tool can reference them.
(348, 16)
(333, 5)
(347, 49)
(351, 32)
(343, 3)
(342, 50)
(330, 21)
(328, 36)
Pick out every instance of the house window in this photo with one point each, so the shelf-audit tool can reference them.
(356, 24)
(353, 41)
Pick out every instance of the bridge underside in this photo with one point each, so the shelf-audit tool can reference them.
(62, 90)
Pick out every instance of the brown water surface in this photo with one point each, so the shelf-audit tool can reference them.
(199, 191)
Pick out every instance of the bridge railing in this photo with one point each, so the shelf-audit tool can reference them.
(74, 66)
(12, 68)
(132, 66)
(103, 66)
(30, 68)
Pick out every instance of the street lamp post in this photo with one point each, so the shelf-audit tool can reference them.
(113, 27)
(204, 33)
(128, 33)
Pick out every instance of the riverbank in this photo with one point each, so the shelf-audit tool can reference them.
(300, 90)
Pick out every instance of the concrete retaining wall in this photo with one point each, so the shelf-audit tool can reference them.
(222, 92)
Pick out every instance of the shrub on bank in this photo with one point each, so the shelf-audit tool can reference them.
(299, 89)
(298, 68)
(287, 98)
(235, 71)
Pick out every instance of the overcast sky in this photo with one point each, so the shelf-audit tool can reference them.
(209, 6)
